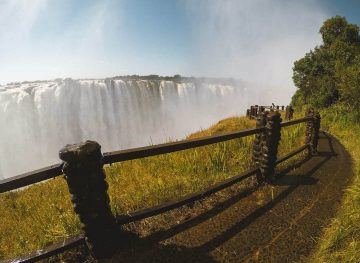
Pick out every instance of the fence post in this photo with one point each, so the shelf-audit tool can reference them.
(85, 177)
(291, 113)
(309, 129)
(315, 139)
(271, 144)
(258, 144)
(287, 113)
(312, 130)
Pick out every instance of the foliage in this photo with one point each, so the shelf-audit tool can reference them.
(349, 84)
(337, 28)
(329, 73)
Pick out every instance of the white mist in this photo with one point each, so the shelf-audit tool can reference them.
(38, 119)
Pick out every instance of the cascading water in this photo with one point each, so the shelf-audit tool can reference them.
(37, 119)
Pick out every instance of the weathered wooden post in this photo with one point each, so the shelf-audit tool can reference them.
(85, 177)
(312, 130)
(309, 129)
(270, 146)
(261, 109)
(315, 139)
(258, 145)
(291, 112)
(287, 113)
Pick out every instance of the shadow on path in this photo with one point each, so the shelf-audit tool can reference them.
(274, 223)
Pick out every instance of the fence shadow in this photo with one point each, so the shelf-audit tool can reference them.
(217, 209)
(145, 250)
(150, 247)
(219, 240)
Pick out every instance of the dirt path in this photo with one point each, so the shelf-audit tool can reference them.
(278, 223)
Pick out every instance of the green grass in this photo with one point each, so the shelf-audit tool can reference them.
(42, 214)
(341, 241)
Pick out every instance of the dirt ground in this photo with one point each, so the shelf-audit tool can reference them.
(274, 223)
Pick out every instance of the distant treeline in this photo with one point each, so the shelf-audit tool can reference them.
(178, 79)
(175, 78)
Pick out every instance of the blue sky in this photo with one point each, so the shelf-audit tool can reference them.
(46, 39)
(348, 8)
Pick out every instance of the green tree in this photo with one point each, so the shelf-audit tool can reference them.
(324, 75)
(338, 29)
(349, 84)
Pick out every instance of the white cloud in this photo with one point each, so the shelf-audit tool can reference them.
(40, 39)
(257, 40)
(17, 17)
(252, 39)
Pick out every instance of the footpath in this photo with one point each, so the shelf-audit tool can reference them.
(274, 223)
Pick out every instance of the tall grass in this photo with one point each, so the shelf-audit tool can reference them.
(341, 241)
(42, 214)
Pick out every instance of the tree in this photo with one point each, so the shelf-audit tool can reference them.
(349, 84)
(323, 75)
(338, 29)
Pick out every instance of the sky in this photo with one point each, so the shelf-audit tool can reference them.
(256, 40)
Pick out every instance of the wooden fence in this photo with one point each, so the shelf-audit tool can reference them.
(83, 169)
(256, 110)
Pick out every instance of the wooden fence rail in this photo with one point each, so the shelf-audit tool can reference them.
(83, 169)
(136, 153)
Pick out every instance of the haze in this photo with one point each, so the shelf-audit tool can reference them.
(254, 40)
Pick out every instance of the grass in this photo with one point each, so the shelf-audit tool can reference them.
(341, 241)
(42, 214)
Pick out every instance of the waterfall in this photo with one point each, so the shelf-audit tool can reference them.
(37, 119)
